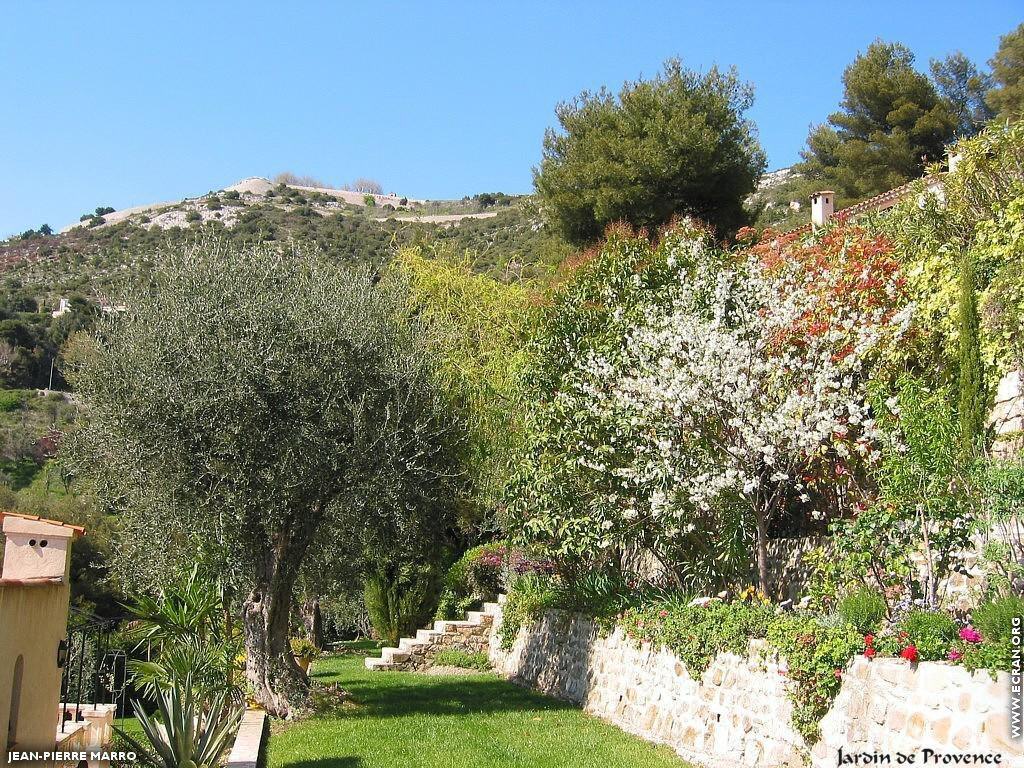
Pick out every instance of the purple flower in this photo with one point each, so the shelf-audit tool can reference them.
(955, 655)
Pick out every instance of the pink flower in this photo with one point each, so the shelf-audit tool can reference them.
(839, 674)
(955, 655)
(663, 614)
(970, 635)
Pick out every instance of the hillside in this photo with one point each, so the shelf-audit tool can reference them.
(83, 265)
(504, 235)
(780, 200)
(503, 232)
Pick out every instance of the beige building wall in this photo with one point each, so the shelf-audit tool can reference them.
(34, 595)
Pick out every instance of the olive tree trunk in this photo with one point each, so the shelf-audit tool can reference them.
(312, 620)
(278, 682)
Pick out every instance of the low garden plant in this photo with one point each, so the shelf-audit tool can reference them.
(531, 595)
(931, 633)
(473, 579)
(987, 642)
(864, 609)
(188, 730)
(452, 657)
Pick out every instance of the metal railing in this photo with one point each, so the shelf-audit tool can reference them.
(94, 670)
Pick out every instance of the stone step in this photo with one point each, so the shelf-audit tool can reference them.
(492, 609)
(378, 665)
(426, 635)
(479, 617)
(394, 655)
(412, 644)
(452, 627)
(444, 627)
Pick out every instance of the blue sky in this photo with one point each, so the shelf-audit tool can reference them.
(128, 103)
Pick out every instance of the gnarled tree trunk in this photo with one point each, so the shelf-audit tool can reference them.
(276, 678)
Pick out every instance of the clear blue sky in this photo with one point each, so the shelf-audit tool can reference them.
(120, 104)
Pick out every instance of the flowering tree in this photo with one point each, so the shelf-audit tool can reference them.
(566, 491)
(738, 397)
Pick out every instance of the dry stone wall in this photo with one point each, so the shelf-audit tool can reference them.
(889, 706)
(1007, 416)
(738, 713)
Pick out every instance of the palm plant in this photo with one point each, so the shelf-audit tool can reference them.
(182, 632)
(191, 732)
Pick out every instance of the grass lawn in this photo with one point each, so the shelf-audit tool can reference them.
(408, 720)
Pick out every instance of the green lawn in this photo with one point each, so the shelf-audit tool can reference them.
(407, 720)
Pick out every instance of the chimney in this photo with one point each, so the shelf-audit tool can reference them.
(822, 205)
(952, 159)
(36, 549)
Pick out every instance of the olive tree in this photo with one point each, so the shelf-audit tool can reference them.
(249, 403)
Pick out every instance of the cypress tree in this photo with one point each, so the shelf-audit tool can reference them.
(971, 390)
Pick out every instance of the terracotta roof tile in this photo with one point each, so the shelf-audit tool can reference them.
(78, 529)
(31, 582)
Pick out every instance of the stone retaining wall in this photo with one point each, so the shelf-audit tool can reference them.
(887, 705)
(738, 713)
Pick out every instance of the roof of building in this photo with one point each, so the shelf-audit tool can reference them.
(37, 581)
(879, 202)
(78, 529)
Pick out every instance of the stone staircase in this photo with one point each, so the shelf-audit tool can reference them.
(417, 653)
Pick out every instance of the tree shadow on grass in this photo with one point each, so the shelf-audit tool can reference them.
(326, 762)
(354, 648)
(444, 696)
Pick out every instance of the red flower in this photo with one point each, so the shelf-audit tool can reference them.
(909, 653)
(869, 640)
(869, 652)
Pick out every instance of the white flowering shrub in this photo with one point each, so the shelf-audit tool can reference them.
(735, 394)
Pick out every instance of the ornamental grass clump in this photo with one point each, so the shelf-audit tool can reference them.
(529, 597)
(863, 608)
